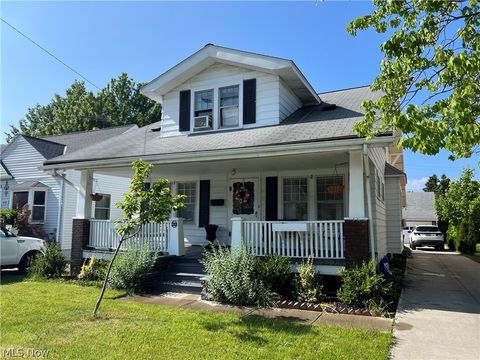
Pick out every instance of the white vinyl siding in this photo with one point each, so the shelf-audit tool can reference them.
(289, 102)
(377, 167)
(393, 215)
(221, 75)
(24, 162)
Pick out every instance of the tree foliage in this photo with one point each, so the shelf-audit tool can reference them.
(436, 185)
(432, 57)
(458, 202)
(118, 103)
(141, 205)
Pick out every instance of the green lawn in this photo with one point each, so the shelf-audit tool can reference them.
(56, 316)
(476, 256)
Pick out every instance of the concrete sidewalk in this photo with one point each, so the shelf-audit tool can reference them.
(438, 316)
(305, 316)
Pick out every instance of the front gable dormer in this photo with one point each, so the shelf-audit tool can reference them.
(224, 89)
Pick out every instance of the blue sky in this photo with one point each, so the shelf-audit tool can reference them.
(101, 40)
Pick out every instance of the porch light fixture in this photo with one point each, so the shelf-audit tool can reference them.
(233, 172)
(335, 189)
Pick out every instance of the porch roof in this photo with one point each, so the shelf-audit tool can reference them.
(319, 123)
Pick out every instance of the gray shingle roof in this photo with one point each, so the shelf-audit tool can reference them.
(78, 140)
(55, 145)
(393, 171)
(420, 206)
(307, 124)
(29, 185)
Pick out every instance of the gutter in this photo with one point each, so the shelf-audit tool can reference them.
(371, 235)
(225, 154)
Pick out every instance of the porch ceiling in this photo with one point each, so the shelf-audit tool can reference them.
(264, 164)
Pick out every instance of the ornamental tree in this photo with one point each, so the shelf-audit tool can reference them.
(141, 205)
(431, 58)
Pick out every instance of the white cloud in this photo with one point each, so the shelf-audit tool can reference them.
(416, 184)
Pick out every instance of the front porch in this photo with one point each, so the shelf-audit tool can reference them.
(279, 205)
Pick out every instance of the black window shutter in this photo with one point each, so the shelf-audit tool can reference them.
(271, 198)
(249, 101)
(185, 110)
(204, 208)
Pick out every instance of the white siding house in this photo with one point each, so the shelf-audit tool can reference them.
(22, 160)
(276, 165)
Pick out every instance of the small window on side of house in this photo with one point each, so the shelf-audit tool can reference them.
(39, 206)
(20, 198)
(102, 208)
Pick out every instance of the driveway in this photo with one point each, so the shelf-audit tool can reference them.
(438, 316)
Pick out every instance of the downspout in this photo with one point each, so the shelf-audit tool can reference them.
(60, 213)
(371, 237)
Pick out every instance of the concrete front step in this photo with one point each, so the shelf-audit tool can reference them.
(184, 287)
(182, 276)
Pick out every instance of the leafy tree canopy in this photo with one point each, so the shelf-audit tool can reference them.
(460, 200)
(436, 185)
(432, 56)
(118, 103)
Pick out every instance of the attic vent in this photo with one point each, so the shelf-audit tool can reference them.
(329, 107)
(155, 129)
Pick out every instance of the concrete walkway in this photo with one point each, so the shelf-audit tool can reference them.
(309, 317)
(438, 316)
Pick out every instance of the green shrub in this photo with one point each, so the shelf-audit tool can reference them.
(275, 273)
(466, 237)
(93, 270)
(407, 252)
(452, 237)
(8, 216)
(130, 266)
(307, 283)
(49, 265)
(361, 287)
(233, 278)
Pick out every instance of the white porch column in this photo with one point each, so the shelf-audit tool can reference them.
(356, 202)
(176, 243)
(84, 202)
(237, 236)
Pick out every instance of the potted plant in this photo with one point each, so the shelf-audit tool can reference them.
(211, 230)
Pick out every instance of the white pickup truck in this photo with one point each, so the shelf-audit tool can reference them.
(18, 251)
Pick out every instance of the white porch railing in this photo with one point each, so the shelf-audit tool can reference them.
(297, 239)
(164, 237)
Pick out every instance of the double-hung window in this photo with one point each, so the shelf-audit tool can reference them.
(203, 110)
(102, 208)
(330, 198)
(188, 211)
(228, 106)
(38, 208)
(295, 199)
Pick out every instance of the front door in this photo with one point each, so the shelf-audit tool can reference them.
(244, 198)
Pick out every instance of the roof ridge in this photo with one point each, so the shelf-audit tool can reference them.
(87, 131)
(40, 139)
(349, 88)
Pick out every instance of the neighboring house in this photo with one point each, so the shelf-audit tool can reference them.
(259, 153)
(51, 199)
(420, 209)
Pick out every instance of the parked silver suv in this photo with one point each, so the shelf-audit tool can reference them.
(426, 235)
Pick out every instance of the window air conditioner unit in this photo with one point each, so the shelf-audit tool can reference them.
(203, 122)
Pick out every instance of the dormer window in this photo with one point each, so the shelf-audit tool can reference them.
(203, 110)
(228, 106)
